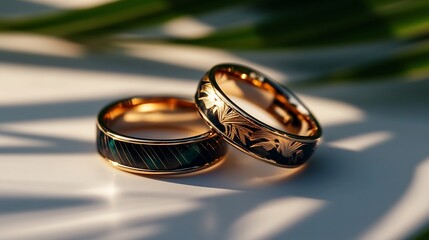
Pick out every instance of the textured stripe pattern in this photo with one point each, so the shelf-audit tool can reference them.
(161, 157)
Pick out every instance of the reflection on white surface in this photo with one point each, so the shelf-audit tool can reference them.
(187, 27)
(332, 113)
(109, 191)
(53, 128)
(82, 221)
(39, 44)
(55, 85)
(270, 218)
(197, 57)
(363, 141)
(36, 171)
(70, 4)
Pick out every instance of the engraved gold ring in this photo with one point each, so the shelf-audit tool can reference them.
(290, 143)
(124, 140)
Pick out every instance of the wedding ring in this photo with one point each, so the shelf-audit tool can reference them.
(288, 141)
(157, 135)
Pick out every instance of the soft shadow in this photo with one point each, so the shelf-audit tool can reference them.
(19, 204)
(53, 110)
(17, 8)
(359, 187)
(54, 145)
(112, 61)
(50, 111)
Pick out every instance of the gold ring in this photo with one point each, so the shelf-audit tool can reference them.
(124, 128)
(290, 143)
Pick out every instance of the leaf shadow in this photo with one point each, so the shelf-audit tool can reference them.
(359, 187)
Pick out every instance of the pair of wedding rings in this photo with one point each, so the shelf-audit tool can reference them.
(288, 144)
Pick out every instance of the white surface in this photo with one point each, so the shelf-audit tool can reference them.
(367, 180)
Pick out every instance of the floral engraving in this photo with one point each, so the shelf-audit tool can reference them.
(287, 148)
(211, 100)
(234, 124)
(237, 127)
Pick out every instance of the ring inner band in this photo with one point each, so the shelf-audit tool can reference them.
(287, 110)
(155, 119)
(124, 139)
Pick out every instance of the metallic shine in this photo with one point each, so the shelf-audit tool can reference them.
(288, 147)
(156, 156)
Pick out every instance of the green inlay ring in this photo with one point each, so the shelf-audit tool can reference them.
(156, 156)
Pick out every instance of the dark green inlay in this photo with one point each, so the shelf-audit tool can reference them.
(149, 159)
(112, 148)
(168, 157)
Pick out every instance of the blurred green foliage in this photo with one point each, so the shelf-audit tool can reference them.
(423, 235)
(288, 25)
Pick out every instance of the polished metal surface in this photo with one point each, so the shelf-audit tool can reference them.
(289, 143)
(131, 135)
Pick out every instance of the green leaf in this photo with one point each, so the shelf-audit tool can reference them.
(112, 17)
(423, 235)
(412, 63)
(345, 22)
